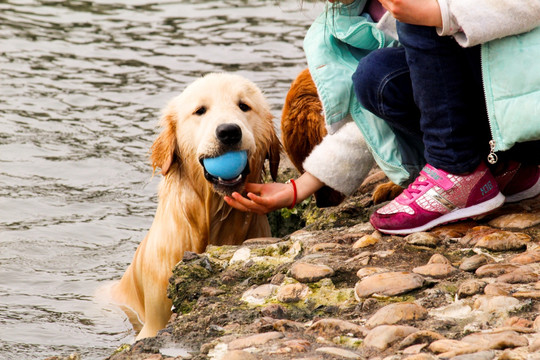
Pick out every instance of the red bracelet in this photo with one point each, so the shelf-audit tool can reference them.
(291, 181)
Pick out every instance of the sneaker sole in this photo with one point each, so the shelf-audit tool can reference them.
(460, 214)
(526, 194)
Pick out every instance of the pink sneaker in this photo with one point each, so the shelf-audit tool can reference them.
(519, 182)
(437, 197)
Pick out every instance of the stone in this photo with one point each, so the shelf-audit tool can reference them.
(495, 269)
(481, 355)
(500, 340)
(260, 294)
(307, 273)
(522, 275)
(422, 356)
(424, 337)
(367, 240)
(241, 255)
(292, 293)
(414, 349)
(498, 289)
(254, 340)
(423, 239)
(476, 233)
(328, 328)
(528, 257)
(446, 345)
(384, 336)
(395, 313)
(471, 287)
(533, 294)
(437, 267)
(368, 271)
(239, 355)
(334, 351)
(516, 221)
(474, 262)
(298, 345)
(500, 304)
(534, 347)
(503, 241)
(437, 271)
(388, 284)
(274, 311)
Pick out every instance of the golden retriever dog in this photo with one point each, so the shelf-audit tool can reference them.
(216, 114)
(303, 127)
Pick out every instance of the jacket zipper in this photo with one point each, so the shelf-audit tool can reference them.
(492, 158)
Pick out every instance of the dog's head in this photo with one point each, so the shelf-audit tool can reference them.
(216, 114)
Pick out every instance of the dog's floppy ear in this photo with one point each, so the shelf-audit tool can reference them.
(164, 147)
(274, 153)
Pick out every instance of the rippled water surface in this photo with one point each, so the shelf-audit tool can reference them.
(81, 87)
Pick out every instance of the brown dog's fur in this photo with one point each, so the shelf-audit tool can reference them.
(303, 127)
(191, 212)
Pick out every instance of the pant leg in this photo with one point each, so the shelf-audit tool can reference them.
(447, 86)
(382, 84)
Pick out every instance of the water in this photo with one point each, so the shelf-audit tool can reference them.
(81, 87)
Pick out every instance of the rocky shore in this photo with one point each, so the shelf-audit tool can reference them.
(338, 289)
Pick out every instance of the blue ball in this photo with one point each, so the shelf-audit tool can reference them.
(227, 166)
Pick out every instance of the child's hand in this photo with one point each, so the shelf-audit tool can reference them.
(262, 198)
(415, 12)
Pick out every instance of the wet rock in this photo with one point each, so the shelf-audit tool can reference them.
(516, 221)
(423, 239)
(521, 275)
(471, 287)
(395, 313)
(389, 284)
(328, 328)
(437, 267)
(503, 241)
(307, 273)
(384, 336)
(292, 293)
(474, 262)
(334, 351)
(254, 340)
(493, 270)
(260, 294)
(367, 240)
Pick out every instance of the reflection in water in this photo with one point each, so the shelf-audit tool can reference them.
(81, 87)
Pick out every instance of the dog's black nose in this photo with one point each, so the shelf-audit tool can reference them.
(229, 134)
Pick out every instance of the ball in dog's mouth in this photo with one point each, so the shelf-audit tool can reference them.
(227, 172)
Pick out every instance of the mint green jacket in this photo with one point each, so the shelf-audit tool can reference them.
(338, 39)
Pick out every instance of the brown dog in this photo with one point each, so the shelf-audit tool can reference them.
(303, 127)
(214, 115)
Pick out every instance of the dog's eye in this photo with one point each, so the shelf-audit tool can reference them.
(200, 111)
(243, 106)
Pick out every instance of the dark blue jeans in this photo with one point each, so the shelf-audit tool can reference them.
(431, 89)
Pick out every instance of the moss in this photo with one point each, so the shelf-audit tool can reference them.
(348, 341)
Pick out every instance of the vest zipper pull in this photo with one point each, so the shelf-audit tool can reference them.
(492, 158)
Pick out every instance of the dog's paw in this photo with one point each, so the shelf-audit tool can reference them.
(385, 192)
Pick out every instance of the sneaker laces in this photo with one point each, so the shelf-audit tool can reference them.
(416, 187)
